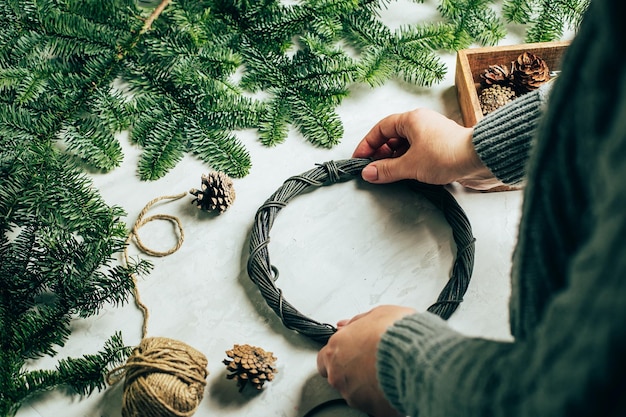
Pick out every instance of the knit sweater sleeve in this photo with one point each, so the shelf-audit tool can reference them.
(503, 139)
(569, 361)
(571, 365)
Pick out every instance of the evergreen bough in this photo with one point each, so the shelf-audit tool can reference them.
(58, 247)
(546, 19)
(76, 72)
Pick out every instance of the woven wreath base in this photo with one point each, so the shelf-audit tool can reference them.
(264, 274)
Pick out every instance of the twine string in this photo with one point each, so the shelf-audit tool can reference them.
(134, 234)
(152, 252)
(162, 377)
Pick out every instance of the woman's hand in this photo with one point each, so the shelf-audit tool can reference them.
(422, 145)
(348, 361)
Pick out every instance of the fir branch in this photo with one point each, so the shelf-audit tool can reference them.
(17, 276)
(239, 14)
(386, 54)
(196, 23)
(219, 149)
(40, 329)
(64, 25)
(419, 67)
(433, 36)
(167, 131)
(326, 17)
(266, 24)
(164, 147)
(59, 60)
(182, 86)
(155, 14)
(228, 112)
(66, 56)
(274, 124)
(264, 69)
(26, 385)
(317, 71)
(30, 87)
(82, 375)
(548, 24)
(58, 240)
(574, 12)
(375, 67)
(17, 122)
(519, 11)
(475, 20)
(91, 139)
(313, 81)
(113, 108)
(545, 20)
(554, 17)
(315, 120)
(87, 374)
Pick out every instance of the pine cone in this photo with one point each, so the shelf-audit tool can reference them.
(496, 74)
(250, 364)
(216, 194)
(495, 97)
(528, 72)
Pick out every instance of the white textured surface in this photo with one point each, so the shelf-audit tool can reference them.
(341, 250)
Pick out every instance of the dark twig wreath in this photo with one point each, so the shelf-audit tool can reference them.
(264, 274)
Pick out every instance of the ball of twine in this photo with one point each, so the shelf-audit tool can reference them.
(264, 274)
(162, 378)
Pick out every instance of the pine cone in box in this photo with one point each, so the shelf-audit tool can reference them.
(528, 72)
(250, 364)
(216, 194)
(496, 75)
(495, 97)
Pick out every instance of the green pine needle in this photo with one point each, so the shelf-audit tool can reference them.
(223, 151)
(519, 11)
(92, 139)
(60, 59)
(315, 120)
(58, 240)
(545, 20)
(475, 20)
(273, 126)
(164, 146)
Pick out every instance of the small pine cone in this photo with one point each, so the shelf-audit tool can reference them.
(495, 97)
(528, 72)
(496, 74)
(250, 364)
(216, 194)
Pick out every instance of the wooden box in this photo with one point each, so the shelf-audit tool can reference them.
(470, 63)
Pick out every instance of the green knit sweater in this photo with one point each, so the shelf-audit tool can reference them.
(568, 299)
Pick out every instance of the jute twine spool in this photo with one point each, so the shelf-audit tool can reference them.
(162, 377)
